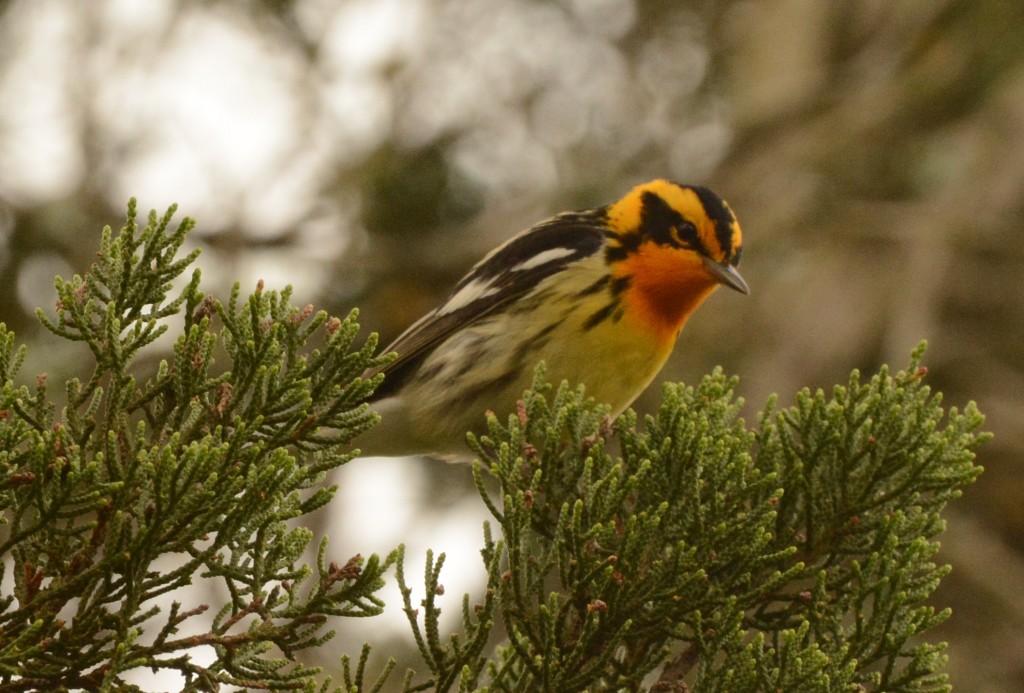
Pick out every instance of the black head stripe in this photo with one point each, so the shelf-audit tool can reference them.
(723, 217)
(659, 219)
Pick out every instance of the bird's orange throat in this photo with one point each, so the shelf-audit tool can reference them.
(667, 286)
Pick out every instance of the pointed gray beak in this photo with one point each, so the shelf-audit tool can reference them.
(727, 275)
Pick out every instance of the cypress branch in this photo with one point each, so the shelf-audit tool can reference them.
(711, 557)
(202, 463)
(706, 556)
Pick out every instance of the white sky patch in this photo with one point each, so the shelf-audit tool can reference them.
(379, 505)
(367, 35)
(217, 116)
(543, 258)
(39, 153)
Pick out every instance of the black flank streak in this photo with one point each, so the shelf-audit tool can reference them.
(594, 288)
(529, 306)
(600, 316)
(539, 340)
(621, 284)
(509, 377)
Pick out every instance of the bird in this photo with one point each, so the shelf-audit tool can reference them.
(600, 296)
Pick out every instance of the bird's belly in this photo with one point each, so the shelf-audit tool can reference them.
(612, 360)
(615, 363)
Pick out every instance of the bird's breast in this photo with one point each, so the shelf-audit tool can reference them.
(666, 286)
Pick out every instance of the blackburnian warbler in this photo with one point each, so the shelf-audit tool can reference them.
(599, 295)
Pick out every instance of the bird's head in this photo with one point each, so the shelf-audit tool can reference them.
(669, 246)
(688, 221)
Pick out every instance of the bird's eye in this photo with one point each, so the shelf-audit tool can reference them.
(684, 235)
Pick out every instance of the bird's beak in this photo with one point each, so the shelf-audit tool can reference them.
(726, 274)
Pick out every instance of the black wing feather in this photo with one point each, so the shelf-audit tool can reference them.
(582, 233)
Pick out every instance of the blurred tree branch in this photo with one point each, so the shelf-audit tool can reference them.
(188, 463)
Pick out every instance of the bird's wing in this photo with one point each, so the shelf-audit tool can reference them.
(507, 273)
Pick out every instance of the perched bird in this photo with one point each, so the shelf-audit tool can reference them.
(599, 295)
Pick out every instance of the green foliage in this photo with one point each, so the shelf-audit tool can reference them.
(703, 556)
(189, 463)
(708, 557)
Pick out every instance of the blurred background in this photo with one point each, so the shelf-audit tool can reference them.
(367, 152)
